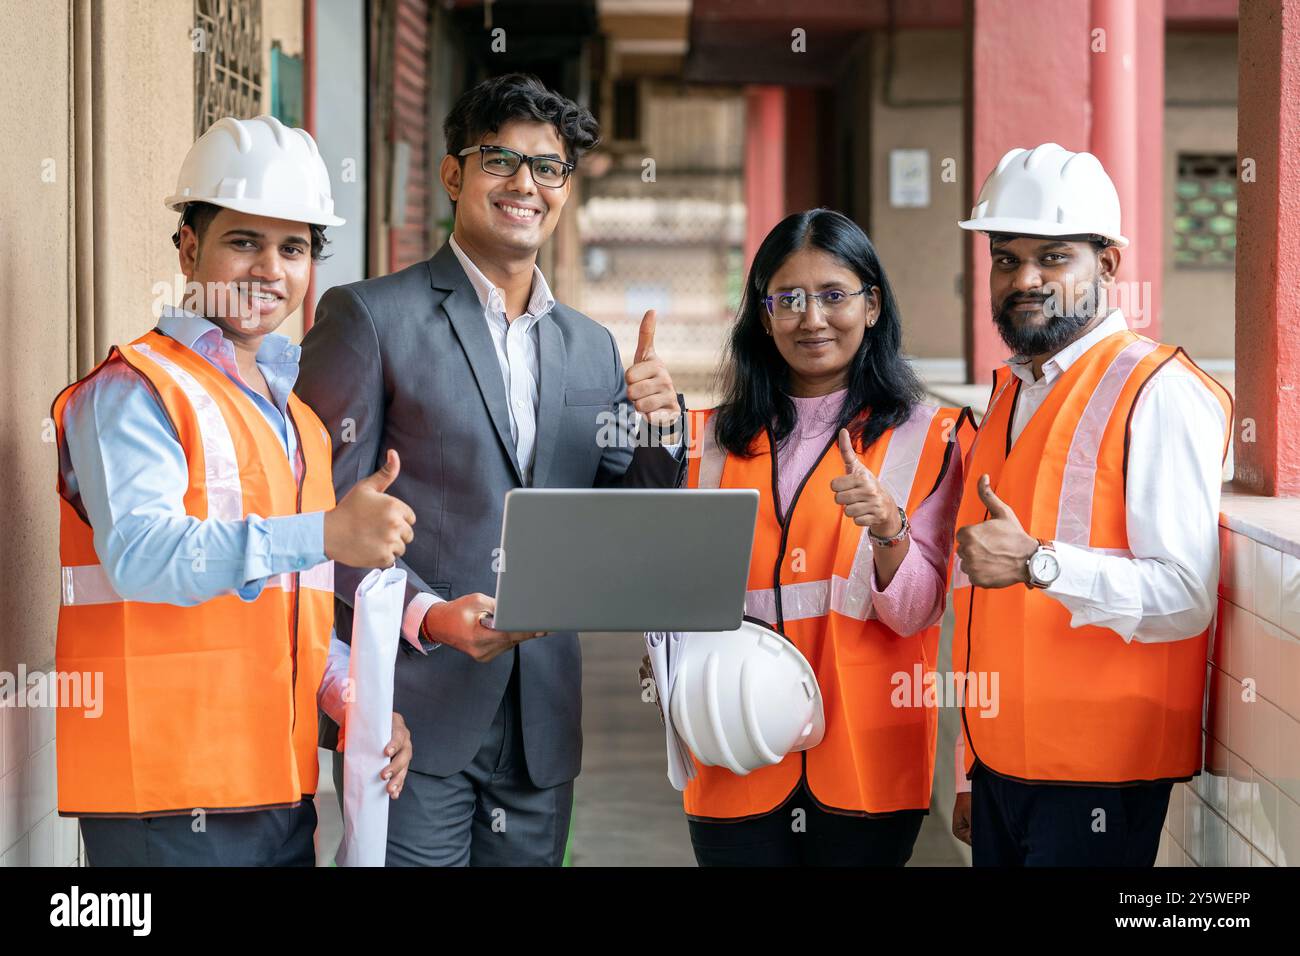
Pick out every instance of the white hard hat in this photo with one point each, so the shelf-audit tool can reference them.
(1048, 191)
(258, 166)
(743, 699)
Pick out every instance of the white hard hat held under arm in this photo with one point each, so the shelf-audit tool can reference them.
(739, 699)
(260, 167)
(1048, 191)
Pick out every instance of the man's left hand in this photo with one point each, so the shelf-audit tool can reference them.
(649, 386)
(995, 553)
(400, 750)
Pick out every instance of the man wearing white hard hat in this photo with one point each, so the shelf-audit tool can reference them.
(1087, 539)
(198, 534)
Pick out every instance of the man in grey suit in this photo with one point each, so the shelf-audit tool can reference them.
(482, 382)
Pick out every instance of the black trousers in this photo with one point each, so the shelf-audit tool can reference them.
(813, 837)
(280, 837)
(1043, 824)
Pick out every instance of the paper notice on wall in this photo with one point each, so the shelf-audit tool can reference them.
(909, 178)
(368, 727)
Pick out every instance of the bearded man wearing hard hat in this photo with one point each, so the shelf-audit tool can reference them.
(1088, 540)
(198, 531)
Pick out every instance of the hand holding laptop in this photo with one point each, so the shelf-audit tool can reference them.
(466, 625)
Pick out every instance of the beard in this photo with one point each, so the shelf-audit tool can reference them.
(1063, 323)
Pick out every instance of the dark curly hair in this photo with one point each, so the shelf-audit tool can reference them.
(518, 96)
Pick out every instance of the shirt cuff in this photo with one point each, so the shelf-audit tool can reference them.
(896, 604)
(333, 683)
(1082, 589)
(287, 543)
(1078, 573)
(414, 617)
(647, 433)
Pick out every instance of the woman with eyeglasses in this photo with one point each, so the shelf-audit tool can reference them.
(859, 484)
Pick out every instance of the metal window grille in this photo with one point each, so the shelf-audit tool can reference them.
(1205, 211)
(671, 241)
(227, 60)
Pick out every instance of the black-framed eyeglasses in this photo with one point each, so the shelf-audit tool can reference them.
(504, 162)
(788, 305)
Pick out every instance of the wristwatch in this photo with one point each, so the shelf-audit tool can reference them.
(893, 540)
(1044, 567)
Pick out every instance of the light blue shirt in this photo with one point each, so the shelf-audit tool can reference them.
(127, 465)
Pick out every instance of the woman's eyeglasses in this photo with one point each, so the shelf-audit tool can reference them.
(504, 162)
(789, 305)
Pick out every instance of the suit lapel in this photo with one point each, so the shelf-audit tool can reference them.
(465, 313)
(550, 395)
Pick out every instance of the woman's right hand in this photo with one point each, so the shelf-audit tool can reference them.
(862, 495)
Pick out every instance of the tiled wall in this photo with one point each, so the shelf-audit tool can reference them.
(1244, 808)
(31, 832)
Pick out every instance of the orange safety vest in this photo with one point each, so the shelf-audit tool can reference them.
(1075, 705)
(810, 579)
(211, 706)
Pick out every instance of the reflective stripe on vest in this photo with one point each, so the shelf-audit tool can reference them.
(1074, 520)
(225, 493)
(849, 596)
(88, 583)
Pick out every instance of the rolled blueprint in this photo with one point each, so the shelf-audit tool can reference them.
(376, 629)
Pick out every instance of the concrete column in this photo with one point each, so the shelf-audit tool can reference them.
(1268, 248)
(1150, 134)
(1027, 83)
(1127, 122)
(764, 164)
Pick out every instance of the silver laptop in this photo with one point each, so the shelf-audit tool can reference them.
(624, 560)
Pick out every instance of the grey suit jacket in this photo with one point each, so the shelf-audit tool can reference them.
(406, 361)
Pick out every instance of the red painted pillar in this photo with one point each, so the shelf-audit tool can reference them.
(1113, 43)
(1127, 42)
(309, 121)
(764, 164)
(1267, 445)
(1150, 135)
(1027, 83)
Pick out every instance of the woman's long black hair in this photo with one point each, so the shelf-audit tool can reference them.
(755, 377)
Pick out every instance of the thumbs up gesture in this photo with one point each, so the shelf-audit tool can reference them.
(368, 528)
(995, 553)
(649, 386)
(862, 496)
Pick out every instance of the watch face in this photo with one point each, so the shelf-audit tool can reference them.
(1044, 567)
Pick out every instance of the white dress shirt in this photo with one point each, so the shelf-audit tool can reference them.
(517, 348)
(1166, 590)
